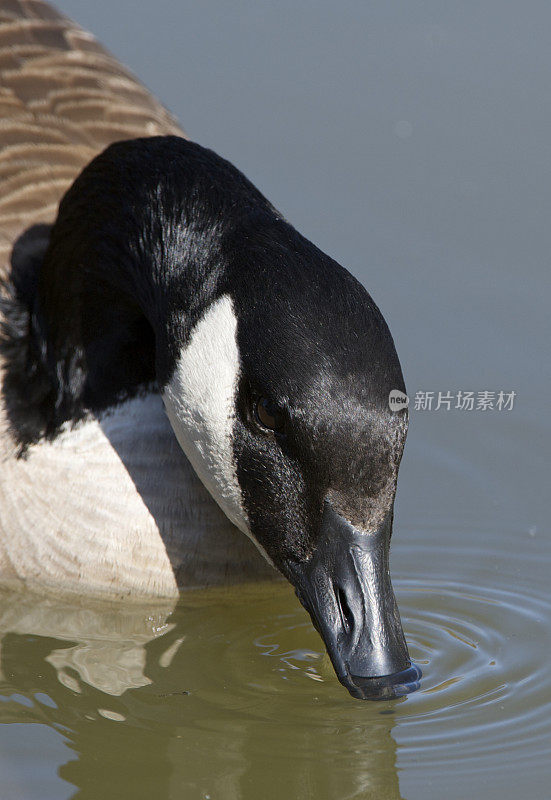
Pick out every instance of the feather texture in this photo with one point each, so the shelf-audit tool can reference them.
(112, 506)
(63, 98)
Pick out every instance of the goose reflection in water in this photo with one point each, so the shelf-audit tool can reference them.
(160, 697)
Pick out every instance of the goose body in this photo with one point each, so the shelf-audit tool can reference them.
(112, 505)
(192, 393)
(119, 512)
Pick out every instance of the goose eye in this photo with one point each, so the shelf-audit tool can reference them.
(268, 415)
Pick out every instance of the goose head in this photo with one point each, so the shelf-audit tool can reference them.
(274, 364)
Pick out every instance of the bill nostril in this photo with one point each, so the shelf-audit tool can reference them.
(347, 616)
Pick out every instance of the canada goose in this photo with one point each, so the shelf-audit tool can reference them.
(167, 279)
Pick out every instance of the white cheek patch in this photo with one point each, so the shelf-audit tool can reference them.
(200, 403)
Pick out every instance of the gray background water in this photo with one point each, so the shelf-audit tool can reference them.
(412, 142)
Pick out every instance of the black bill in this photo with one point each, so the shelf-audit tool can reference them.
(346, 589)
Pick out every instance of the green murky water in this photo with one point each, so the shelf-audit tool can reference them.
(230, 695)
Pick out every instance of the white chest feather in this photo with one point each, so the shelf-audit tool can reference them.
(113, 506)
(200, 403)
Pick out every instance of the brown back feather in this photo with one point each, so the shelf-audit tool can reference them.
(63, 99)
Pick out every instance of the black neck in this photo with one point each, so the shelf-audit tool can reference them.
(132, 261)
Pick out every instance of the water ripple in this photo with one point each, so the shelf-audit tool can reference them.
(485, 685)
(250, 670)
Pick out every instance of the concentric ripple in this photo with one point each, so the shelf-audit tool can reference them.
(240, 681)
(485, 685)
